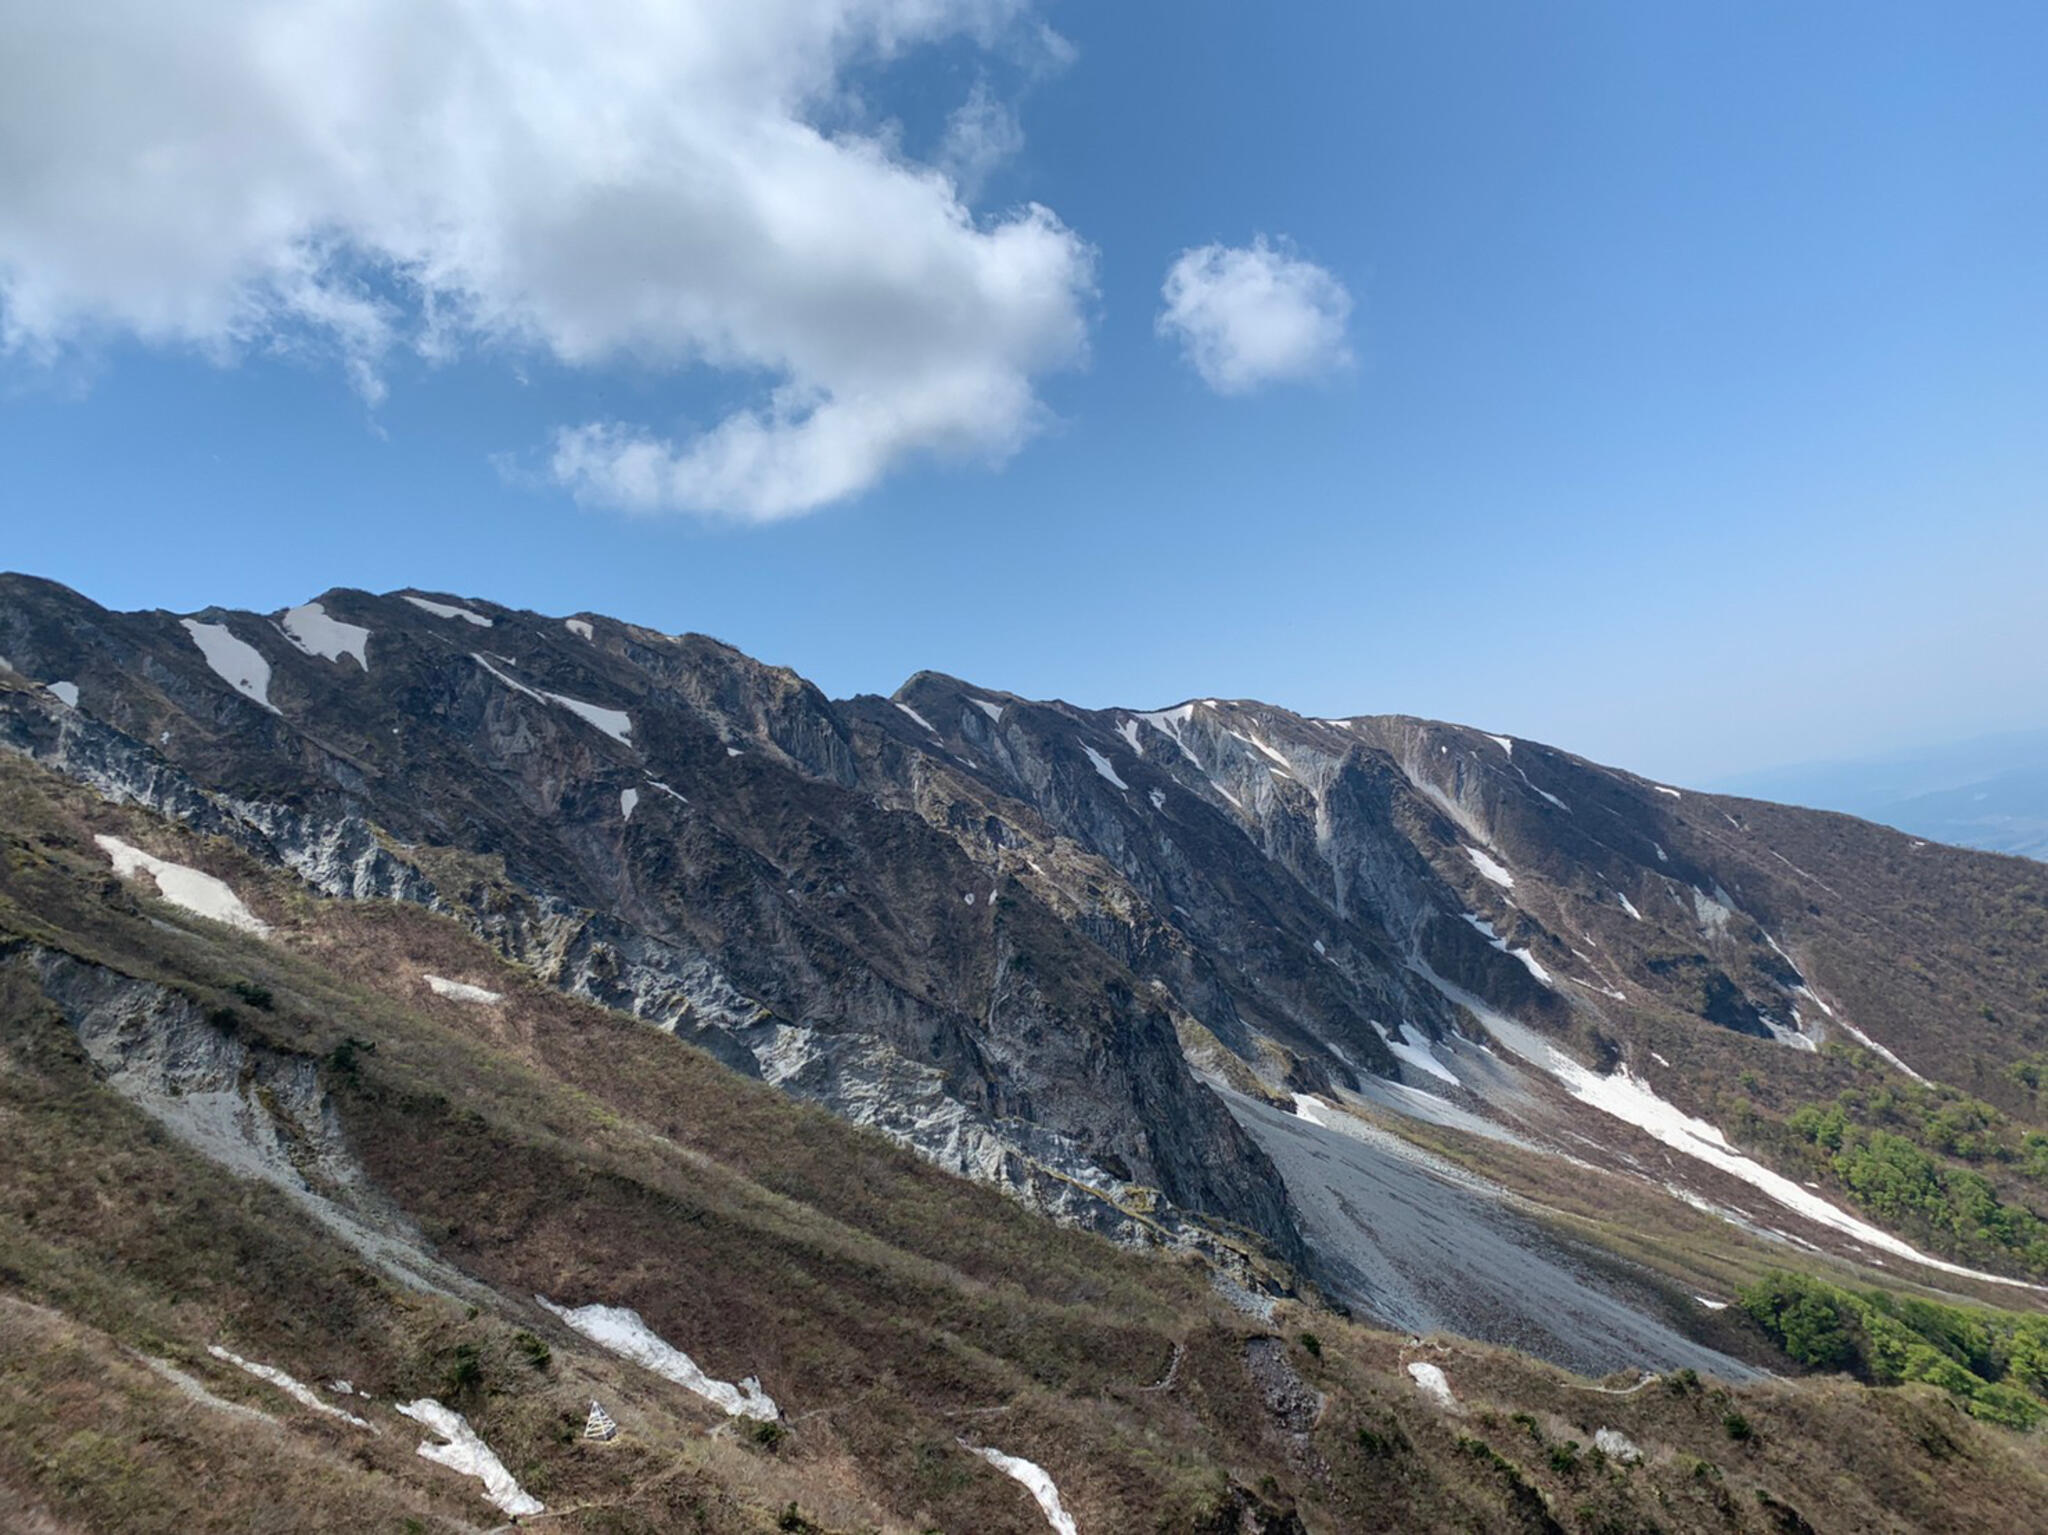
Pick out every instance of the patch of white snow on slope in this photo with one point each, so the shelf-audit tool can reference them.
(315, 631)
(1866, 1041)
(1628, 906)
(66, 692)
(1102, 765)
(460, 991)
(580, 627)
(235, 661)
(1169, 723)
(1035, 1481)
(188, 889)
(1662, 790)
(466, 1453)
(992, 709)
(1626, 1097)
(1158, 799)
(1530, 783)
(1128, 729)
(448, 610)
(623, 1332)
(629, 799)
(1430, 1381)
(615, 723)
(1418, 1056)
(1529, 961)
(297, 1390)
(1253, 741)
(1503, 743)
(919, 718)
(1491, 868)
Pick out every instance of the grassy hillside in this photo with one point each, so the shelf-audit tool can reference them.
(540, 1145)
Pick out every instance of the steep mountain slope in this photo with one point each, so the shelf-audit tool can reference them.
(294, 1181)
(1087, 955)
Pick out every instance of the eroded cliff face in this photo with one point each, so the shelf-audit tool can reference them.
(668, 827)
(1030, 940)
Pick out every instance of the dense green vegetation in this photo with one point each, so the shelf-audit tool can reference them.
(1996, 1361)
(1911, 1155)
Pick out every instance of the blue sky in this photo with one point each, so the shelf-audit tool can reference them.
(1692, 416)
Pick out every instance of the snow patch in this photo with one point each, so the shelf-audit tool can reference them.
(656, 783)
(1128, 729)
(615, 723)
(1628, 906)
(448, 610)
(1430, 1381)
(235, 661)
(1491, 868)
(1711, 1305)
(623, 1332)
(1866, 1041)
(1102, 766)
(1035, 1481)
(629, 799)
(1503, 743)
(314, 631)
(1158, 799)
(1170, 723)
(993, 710)
(1626, 1097)
(188, 889)
(297, 1390)
(466, 1453)
(918, 718)
(66, 693)
(580, 627)
(460, 991)
(1529, 961)
(1662, 790)
(1285, 766)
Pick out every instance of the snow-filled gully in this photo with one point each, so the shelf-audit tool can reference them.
(1034, 1480)
(1626, 1097)
(463, 1451)
(623, 1332)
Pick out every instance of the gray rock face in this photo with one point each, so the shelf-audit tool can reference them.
(259, 1113)
(666, 826)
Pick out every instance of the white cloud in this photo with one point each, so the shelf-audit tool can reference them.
(673, 183)
(1247, 316)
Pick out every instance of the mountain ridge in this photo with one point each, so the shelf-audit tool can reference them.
(1035, 940)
